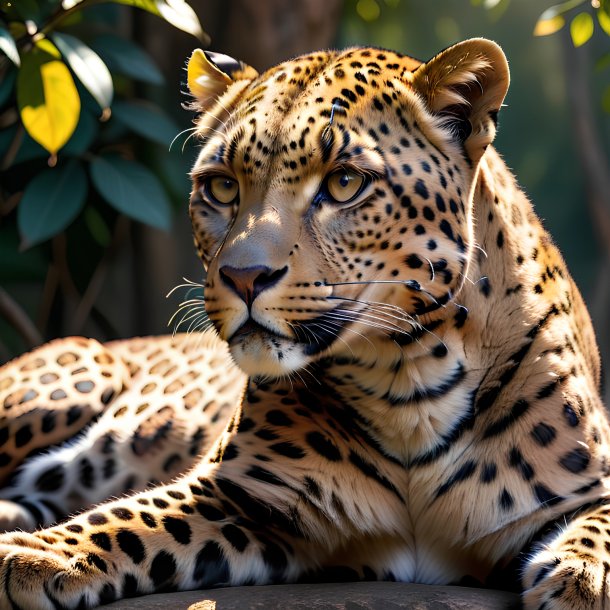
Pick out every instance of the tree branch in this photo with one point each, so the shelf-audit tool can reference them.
(19, 320)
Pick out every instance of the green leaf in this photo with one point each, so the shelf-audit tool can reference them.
(126, 58)
(146, 120)
(28, 150)
(47, 97)
(51, 201)
(83, 137)
(88, 67)
(581, 28)
(7, 44)
(131, 189)
(97, 226)
(176, 12)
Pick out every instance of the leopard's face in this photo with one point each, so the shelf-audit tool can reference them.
(329, 203)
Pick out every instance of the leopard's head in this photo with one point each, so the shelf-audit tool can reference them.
(332, 195)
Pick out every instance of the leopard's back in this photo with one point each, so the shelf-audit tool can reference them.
(116, 418)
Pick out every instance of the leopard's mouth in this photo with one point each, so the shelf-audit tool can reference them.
(249, 328)
(261, 351)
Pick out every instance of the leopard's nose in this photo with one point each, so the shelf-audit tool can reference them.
(249, 282)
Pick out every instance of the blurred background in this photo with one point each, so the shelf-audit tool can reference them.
(94, 229)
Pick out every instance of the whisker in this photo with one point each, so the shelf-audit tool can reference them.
(189, 309)
(197, 321)
(376, 306)
(410, 284)
(193, 135)
(432, 276)
(358, 315)
(349, 316)
(328, 328)
(354, 332)
(473, 282)
(191, 129)
(198, 326)
(414, 324)
(191, 306)
(202, 128)
(480, 248)
(196, 302)
(189, 315)
(297, 373)
(187, 284)
(295, 328)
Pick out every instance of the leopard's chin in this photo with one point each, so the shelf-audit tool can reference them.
(259, 353)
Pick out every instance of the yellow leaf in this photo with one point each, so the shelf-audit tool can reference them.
(604, 20)
(545, 27)
(46, 46)
(47, 97)
(581, 28)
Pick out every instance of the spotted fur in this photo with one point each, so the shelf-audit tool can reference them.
(422, 401)
(174, 398)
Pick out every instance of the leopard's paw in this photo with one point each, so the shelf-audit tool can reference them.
(13, 516)
(566, 581)
(34, 577)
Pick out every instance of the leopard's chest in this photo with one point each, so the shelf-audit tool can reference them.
(435, 538)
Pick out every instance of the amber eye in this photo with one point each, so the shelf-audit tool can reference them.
(222, 189)
(344, 184)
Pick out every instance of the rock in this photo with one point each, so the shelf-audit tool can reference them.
(334, 596)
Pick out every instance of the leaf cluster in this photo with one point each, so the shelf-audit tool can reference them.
(67, 112)
(583, 16)
(582, 23)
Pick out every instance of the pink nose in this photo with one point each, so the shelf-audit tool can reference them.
(249, 282)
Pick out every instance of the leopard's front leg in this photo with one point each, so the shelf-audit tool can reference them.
(572, 570)
(273, 508)
(185, 536)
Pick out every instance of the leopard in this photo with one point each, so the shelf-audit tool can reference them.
(145, 410)
(400, 380)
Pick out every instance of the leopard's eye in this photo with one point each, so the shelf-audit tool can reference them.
(344, 184)
(222, 190)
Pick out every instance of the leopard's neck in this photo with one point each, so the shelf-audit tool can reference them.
(417, 390)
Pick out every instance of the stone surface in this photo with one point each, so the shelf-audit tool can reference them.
(334, 596)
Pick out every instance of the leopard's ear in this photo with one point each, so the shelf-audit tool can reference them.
(465, 85)
(210, 75)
